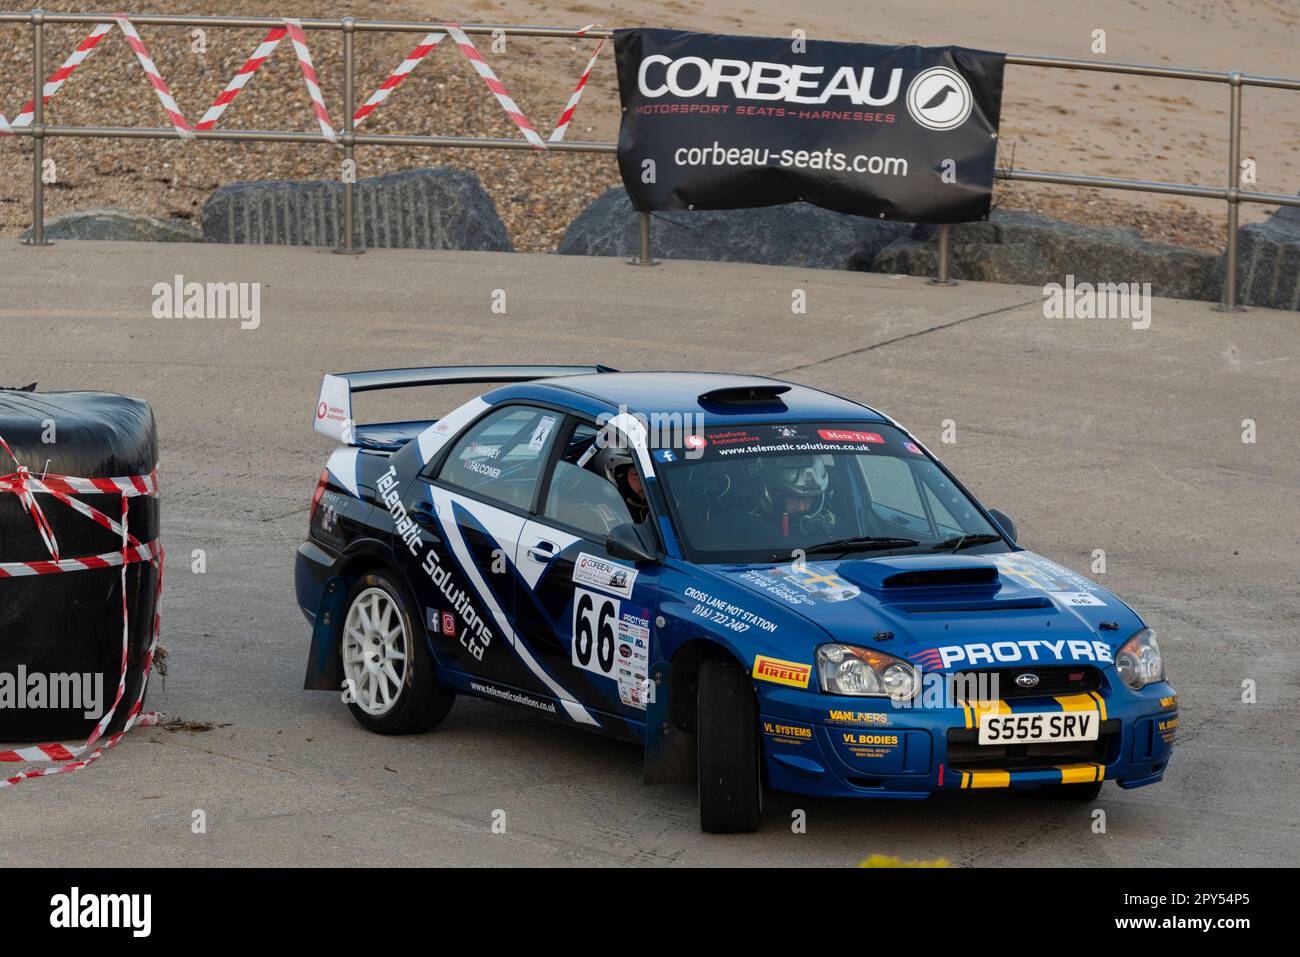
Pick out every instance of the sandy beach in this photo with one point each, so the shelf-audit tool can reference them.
(1054, 120)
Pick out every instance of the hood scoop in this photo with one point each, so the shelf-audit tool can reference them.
(893, 577)
(938, 585)
(985, 575)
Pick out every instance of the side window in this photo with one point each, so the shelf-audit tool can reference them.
(942, 517)
(501, 456)
(892, 488)
(594, 489)
(952, 513)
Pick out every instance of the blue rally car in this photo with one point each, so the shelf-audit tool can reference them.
(758, 581)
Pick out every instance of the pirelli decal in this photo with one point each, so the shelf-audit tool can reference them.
(780, 672)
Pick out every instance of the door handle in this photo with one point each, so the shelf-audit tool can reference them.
(542, 551)
(422, 514)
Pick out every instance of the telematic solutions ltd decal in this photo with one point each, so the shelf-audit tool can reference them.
(477, 635)
(719, 122)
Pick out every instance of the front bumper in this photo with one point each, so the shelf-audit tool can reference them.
(833, 746)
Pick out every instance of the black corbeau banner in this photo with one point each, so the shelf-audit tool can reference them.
(720, 122)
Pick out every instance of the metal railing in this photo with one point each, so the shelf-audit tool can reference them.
(349, 138)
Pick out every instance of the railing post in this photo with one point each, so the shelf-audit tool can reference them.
(1229, 302)
(643, 256)
(38, 131)
(945, 238)
(347, 243)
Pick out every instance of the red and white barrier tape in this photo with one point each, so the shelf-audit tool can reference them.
(147, 552)
(295, 32)
(498, 89)
(78, 755)
(240, 79)
(130, 486)
(422, 50)
(309, 75)
(19, 483)
(462, 40)
(159, 85)
(567, 116)
(59, 76)
(174, 113)
(61, 487)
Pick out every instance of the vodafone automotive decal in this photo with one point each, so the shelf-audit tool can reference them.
(723, 122)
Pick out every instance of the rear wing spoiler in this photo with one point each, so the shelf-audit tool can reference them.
(334, 406)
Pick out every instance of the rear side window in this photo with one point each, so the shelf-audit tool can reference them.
(501, 456)
(595, 490)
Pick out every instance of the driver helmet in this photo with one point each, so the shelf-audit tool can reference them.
(797, 484)
(614, 464)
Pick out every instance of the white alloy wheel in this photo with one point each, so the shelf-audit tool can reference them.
(374, 651)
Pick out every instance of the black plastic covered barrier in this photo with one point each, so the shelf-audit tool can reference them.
(63, 626)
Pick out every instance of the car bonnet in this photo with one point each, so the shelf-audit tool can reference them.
(949, 612)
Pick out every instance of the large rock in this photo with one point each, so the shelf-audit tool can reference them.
(112, 223)
(1028, 249)
(440, 208)
(1268, 262)
(796, 234)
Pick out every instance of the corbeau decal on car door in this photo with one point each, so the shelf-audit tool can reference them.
(604, 574)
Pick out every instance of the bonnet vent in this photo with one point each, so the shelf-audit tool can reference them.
(943, 577)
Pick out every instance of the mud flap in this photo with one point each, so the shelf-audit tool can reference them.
(670, 756)
(324, 668)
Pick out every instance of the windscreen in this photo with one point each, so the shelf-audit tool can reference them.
(768, 492)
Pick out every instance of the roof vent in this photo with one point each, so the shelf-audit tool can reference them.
(746, 395)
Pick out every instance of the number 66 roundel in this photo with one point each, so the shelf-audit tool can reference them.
(595, 620)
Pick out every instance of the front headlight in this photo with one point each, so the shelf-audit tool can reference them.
(1139, 662)
(849, 670)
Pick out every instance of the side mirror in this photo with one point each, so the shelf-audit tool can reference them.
(628, 541)
(1004, 522)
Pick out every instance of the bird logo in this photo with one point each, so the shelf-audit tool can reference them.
(939, 98)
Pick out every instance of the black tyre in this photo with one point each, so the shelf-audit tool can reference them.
(731, 799)
(391, 686)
